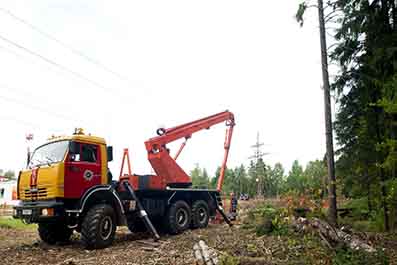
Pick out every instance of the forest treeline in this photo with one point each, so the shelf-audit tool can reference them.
(271, 180)
(365, 88)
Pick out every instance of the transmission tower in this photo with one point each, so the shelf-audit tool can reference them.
(258, 154)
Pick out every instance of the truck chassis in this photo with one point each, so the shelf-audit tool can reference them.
(97, 214)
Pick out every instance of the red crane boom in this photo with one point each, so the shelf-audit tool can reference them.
(171, 174)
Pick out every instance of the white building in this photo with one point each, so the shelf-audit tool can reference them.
(7, 188)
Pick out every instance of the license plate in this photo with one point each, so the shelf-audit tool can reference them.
(27, 212)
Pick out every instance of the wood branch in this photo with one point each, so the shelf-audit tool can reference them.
(325, 241)
(331, 235)
(149, 243)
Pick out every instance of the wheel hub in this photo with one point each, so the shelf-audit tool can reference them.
(106, 227)
(181, 217)
(202, 214)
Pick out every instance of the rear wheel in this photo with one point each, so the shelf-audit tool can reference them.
(178, 217)
(99, 227)
(200, 214)
(51, 233)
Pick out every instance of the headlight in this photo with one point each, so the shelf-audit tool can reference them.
(44, 212)
(47, 212)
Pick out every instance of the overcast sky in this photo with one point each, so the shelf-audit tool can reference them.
(175, 61)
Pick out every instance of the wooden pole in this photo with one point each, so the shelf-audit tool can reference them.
(332, 214)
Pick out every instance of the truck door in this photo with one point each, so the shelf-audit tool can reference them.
(82, 170)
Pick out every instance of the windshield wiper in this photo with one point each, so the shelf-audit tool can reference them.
(32, 164)
(49, 160)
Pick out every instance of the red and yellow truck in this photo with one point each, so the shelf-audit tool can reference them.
(67, 186)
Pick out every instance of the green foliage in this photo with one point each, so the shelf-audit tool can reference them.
(265, 219)
(228, 260)
(199, 177)
(359, 205)
(311, 180)
(9, 174)
(242, 181)
(366, 85)
(300, 12)
(295, 179)
(271, 180)
(10, 223)
(351, 257)
(361, 218)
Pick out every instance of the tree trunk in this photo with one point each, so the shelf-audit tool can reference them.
(382, 175)
(367, 178)
(394, 14)
(332, 236)
(332, 214)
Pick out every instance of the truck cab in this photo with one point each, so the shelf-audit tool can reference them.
(64, 168)
(58, 176)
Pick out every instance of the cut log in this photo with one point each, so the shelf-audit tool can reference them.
(204, 255)
(331, 235)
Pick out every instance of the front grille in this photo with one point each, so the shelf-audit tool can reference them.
(35, 193)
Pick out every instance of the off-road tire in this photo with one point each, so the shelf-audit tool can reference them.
(51, 233)
(200, 214)
(178, 217)
(135, 223)
(99, 227)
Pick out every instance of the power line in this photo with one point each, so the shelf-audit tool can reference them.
(16, 120)
(64, 68)
(37, 108)
(66, 46)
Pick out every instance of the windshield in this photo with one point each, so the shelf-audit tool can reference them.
(49, 153)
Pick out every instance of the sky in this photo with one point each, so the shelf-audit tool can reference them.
(160, 64)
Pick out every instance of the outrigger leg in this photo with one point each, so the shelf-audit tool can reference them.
(142, 212)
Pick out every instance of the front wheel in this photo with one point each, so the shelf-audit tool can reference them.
(51, 233)
(99, 227)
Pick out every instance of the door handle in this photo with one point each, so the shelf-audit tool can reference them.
(74, 169)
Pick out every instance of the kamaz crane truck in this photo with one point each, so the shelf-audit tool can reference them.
(67, 186)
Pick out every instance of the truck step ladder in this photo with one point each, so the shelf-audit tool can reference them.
(219, 207)
(142, 212)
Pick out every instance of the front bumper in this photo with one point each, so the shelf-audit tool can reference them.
(32, 212)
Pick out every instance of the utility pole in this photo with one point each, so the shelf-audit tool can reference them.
(332, 212)
(258, 154)
(28, 138)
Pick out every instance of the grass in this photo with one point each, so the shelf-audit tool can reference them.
(11, 223)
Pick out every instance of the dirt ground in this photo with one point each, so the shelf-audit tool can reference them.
(22, 246)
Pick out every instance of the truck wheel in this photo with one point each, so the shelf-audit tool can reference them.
(52, 233)
(135, 223)
(99, 227)
(200, 214)
(178, 217)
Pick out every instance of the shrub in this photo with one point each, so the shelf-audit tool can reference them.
(265, 219)
(345, 256)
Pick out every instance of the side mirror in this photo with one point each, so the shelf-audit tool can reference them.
(74, 147)
(109, 150)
